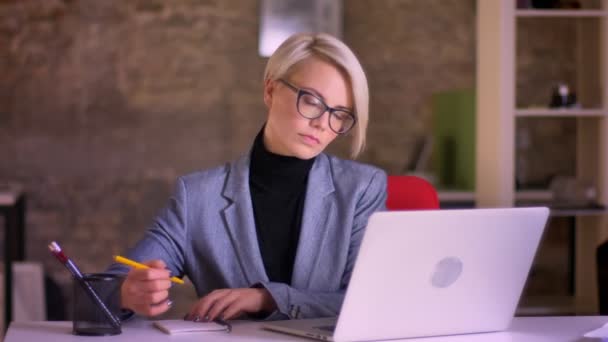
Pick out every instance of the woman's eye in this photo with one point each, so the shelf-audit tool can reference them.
(313, 101)
(341, 115)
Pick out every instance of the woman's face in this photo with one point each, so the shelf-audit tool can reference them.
(287, 132)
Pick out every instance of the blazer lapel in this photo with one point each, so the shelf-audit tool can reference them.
(240, 222)
(317, 207)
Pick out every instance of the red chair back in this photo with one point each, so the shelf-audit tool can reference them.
(410, 193)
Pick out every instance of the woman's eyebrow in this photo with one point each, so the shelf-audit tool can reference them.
(314, 92)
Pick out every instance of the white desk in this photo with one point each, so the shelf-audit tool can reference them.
(529, 329)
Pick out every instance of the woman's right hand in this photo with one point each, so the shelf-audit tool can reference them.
(146, 291)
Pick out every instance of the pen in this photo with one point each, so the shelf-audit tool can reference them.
(135, 264)
(224, 323)
(69, 264)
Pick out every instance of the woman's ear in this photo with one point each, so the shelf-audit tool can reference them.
(268, 92)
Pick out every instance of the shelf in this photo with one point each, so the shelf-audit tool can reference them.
(566, 212)
(469, 196)
(499, 31)
(562, 113)
(557, 13)
(546, 306)
(534, 195)
(578, 212)
(456, 196)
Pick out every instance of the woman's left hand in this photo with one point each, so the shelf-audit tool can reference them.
(232, 303)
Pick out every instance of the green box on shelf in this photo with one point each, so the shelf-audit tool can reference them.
(454, 139)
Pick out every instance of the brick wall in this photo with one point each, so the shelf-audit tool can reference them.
(104, 103)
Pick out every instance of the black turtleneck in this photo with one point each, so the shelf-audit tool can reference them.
(278, 189)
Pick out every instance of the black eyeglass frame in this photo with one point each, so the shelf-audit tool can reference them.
(301, 92)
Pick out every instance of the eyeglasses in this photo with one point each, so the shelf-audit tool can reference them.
(311, 107)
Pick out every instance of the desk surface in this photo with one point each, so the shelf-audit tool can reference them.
(529, 329)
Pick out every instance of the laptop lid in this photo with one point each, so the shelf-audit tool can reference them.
(439, 272)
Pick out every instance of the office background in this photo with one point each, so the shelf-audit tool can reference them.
(104, 103)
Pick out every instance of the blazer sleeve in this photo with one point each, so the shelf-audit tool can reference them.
(295, 303)
(166, 237)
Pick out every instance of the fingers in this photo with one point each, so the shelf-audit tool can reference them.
(149, 274)
(154, 298)
(154, 310)
(158, 270)
(234, 310)
(201, 308)
(146, 291)
(217, 308)
(152, 285)
(156, 263)
(147, 281)
(228, 304)
(147, 303)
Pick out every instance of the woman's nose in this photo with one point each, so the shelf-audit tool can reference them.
(321, 121)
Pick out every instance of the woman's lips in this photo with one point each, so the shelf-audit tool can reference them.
(310, 139)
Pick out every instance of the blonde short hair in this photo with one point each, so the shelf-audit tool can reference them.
(301, 46)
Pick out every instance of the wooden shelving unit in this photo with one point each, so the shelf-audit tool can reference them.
(560, 13)
(496, 129)
(561, 113)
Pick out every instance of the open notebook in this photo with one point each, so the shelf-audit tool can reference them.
(178, 326)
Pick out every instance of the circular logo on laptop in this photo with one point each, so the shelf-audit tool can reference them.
(447, 271)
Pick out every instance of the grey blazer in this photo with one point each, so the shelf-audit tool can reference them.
(207, 232)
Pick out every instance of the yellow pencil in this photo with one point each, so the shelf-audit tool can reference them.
(135, 264)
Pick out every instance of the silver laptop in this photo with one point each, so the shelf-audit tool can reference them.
(431, 273)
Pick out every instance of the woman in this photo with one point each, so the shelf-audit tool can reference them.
(275, 233)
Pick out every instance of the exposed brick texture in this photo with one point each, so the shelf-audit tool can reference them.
(104, 103)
